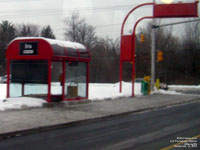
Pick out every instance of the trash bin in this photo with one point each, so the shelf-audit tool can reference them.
(148, 79)
(144, 87)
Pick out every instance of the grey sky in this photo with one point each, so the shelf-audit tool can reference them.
(105, 15)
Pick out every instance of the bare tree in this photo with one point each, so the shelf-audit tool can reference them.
(105, 61)
(191, 49)
(72, 23)
(26, 30)
(166, 42)
(77, 30)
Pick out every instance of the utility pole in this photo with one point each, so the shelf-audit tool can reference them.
(153, 53)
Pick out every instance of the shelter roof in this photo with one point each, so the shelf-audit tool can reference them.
(44, 48)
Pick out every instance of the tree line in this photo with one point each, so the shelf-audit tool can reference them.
(181, 63)
(9, 31)
(181, 54)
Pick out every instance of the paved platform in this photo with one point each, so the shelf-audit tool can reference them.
(29, 118)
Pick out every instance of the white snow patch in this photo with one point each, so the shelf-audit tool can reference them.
(20, 102)
(2, 91)
(97, 91)
(74, 45)
(166, 92)
(184, 87)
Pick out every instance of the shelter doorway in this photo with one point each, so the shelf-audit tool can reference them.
(75, 80)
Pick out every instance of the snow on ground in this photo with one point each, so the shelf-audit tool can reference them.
(2, 91)
(17, 103)
(96, 92)
(20, 102)
(184, 87)
(101, 91)
(166, 92)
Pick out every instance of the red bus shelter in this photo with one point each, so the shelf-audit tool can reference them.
(45, 68)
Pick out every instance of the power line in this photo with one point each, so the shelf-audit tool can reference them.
(71, 9)
(48, 12)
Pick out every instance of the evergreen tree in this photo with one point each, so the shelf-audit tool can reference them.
(7, 33)
(47, 32)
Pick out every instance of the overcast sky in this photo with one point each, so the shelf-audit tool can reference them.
(105, 15)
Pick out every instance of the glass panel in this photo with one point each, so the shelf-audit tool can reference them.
(56, 87)
(72, 52)
(84, 53)
(15, 89)
(29, 75)
(30, 89)
(27, 71)
(75, 80)
(58, 50)
(35, 89)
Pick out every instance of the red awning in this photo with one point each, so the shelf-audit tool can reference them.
(44, 48)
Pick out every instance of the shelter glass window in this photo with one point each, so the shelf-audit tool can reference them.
(28, 78)
(56, 86)
(75, 80)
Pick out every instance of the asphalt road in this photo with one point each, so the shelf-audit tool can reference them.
(154, 130)
(188, 91)
(197, 92)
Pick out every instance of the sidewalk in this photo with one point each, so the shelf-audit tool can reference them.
(19, 120)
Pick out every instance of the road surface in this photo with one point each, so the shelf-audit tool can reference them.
(158, 129)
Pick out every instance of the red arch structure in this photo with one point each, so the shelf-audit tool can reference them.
(35, 60)
(127, 47)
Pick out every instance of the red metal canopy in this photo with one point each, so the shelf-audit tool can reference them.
(175, 10)
(44, 48)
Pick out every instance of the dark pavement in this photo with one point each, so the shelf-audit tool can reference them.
(151, 130)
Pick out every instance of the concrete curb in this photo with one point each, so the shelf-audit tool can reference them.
(75, 123)
(65, 103)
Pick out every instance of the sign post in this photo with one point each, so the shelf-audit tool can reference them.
(127, 48)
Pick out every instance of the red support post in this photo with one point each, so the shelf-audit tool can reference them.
(122, 28)
(133, 62)
(133, 49)
(133, 79)
(63, 79)
(8, 78)
(49, 81)
(120, 75)
(87, 80)
(159, 11)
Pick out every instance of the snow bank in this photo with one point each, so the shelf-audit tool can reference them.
(96, 92)
(166, 92)
(2, 91)
(111, 91)
(20, 102)
(184, 87)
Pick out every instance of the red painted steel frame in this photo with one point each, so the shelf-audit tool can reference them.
(49, 81)
(133, 65)
(8, 78)
(63, 79)
(176, 10)
(164, 14)
(87, 80)
(46, 54)
(133, 37)
(122, 28)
